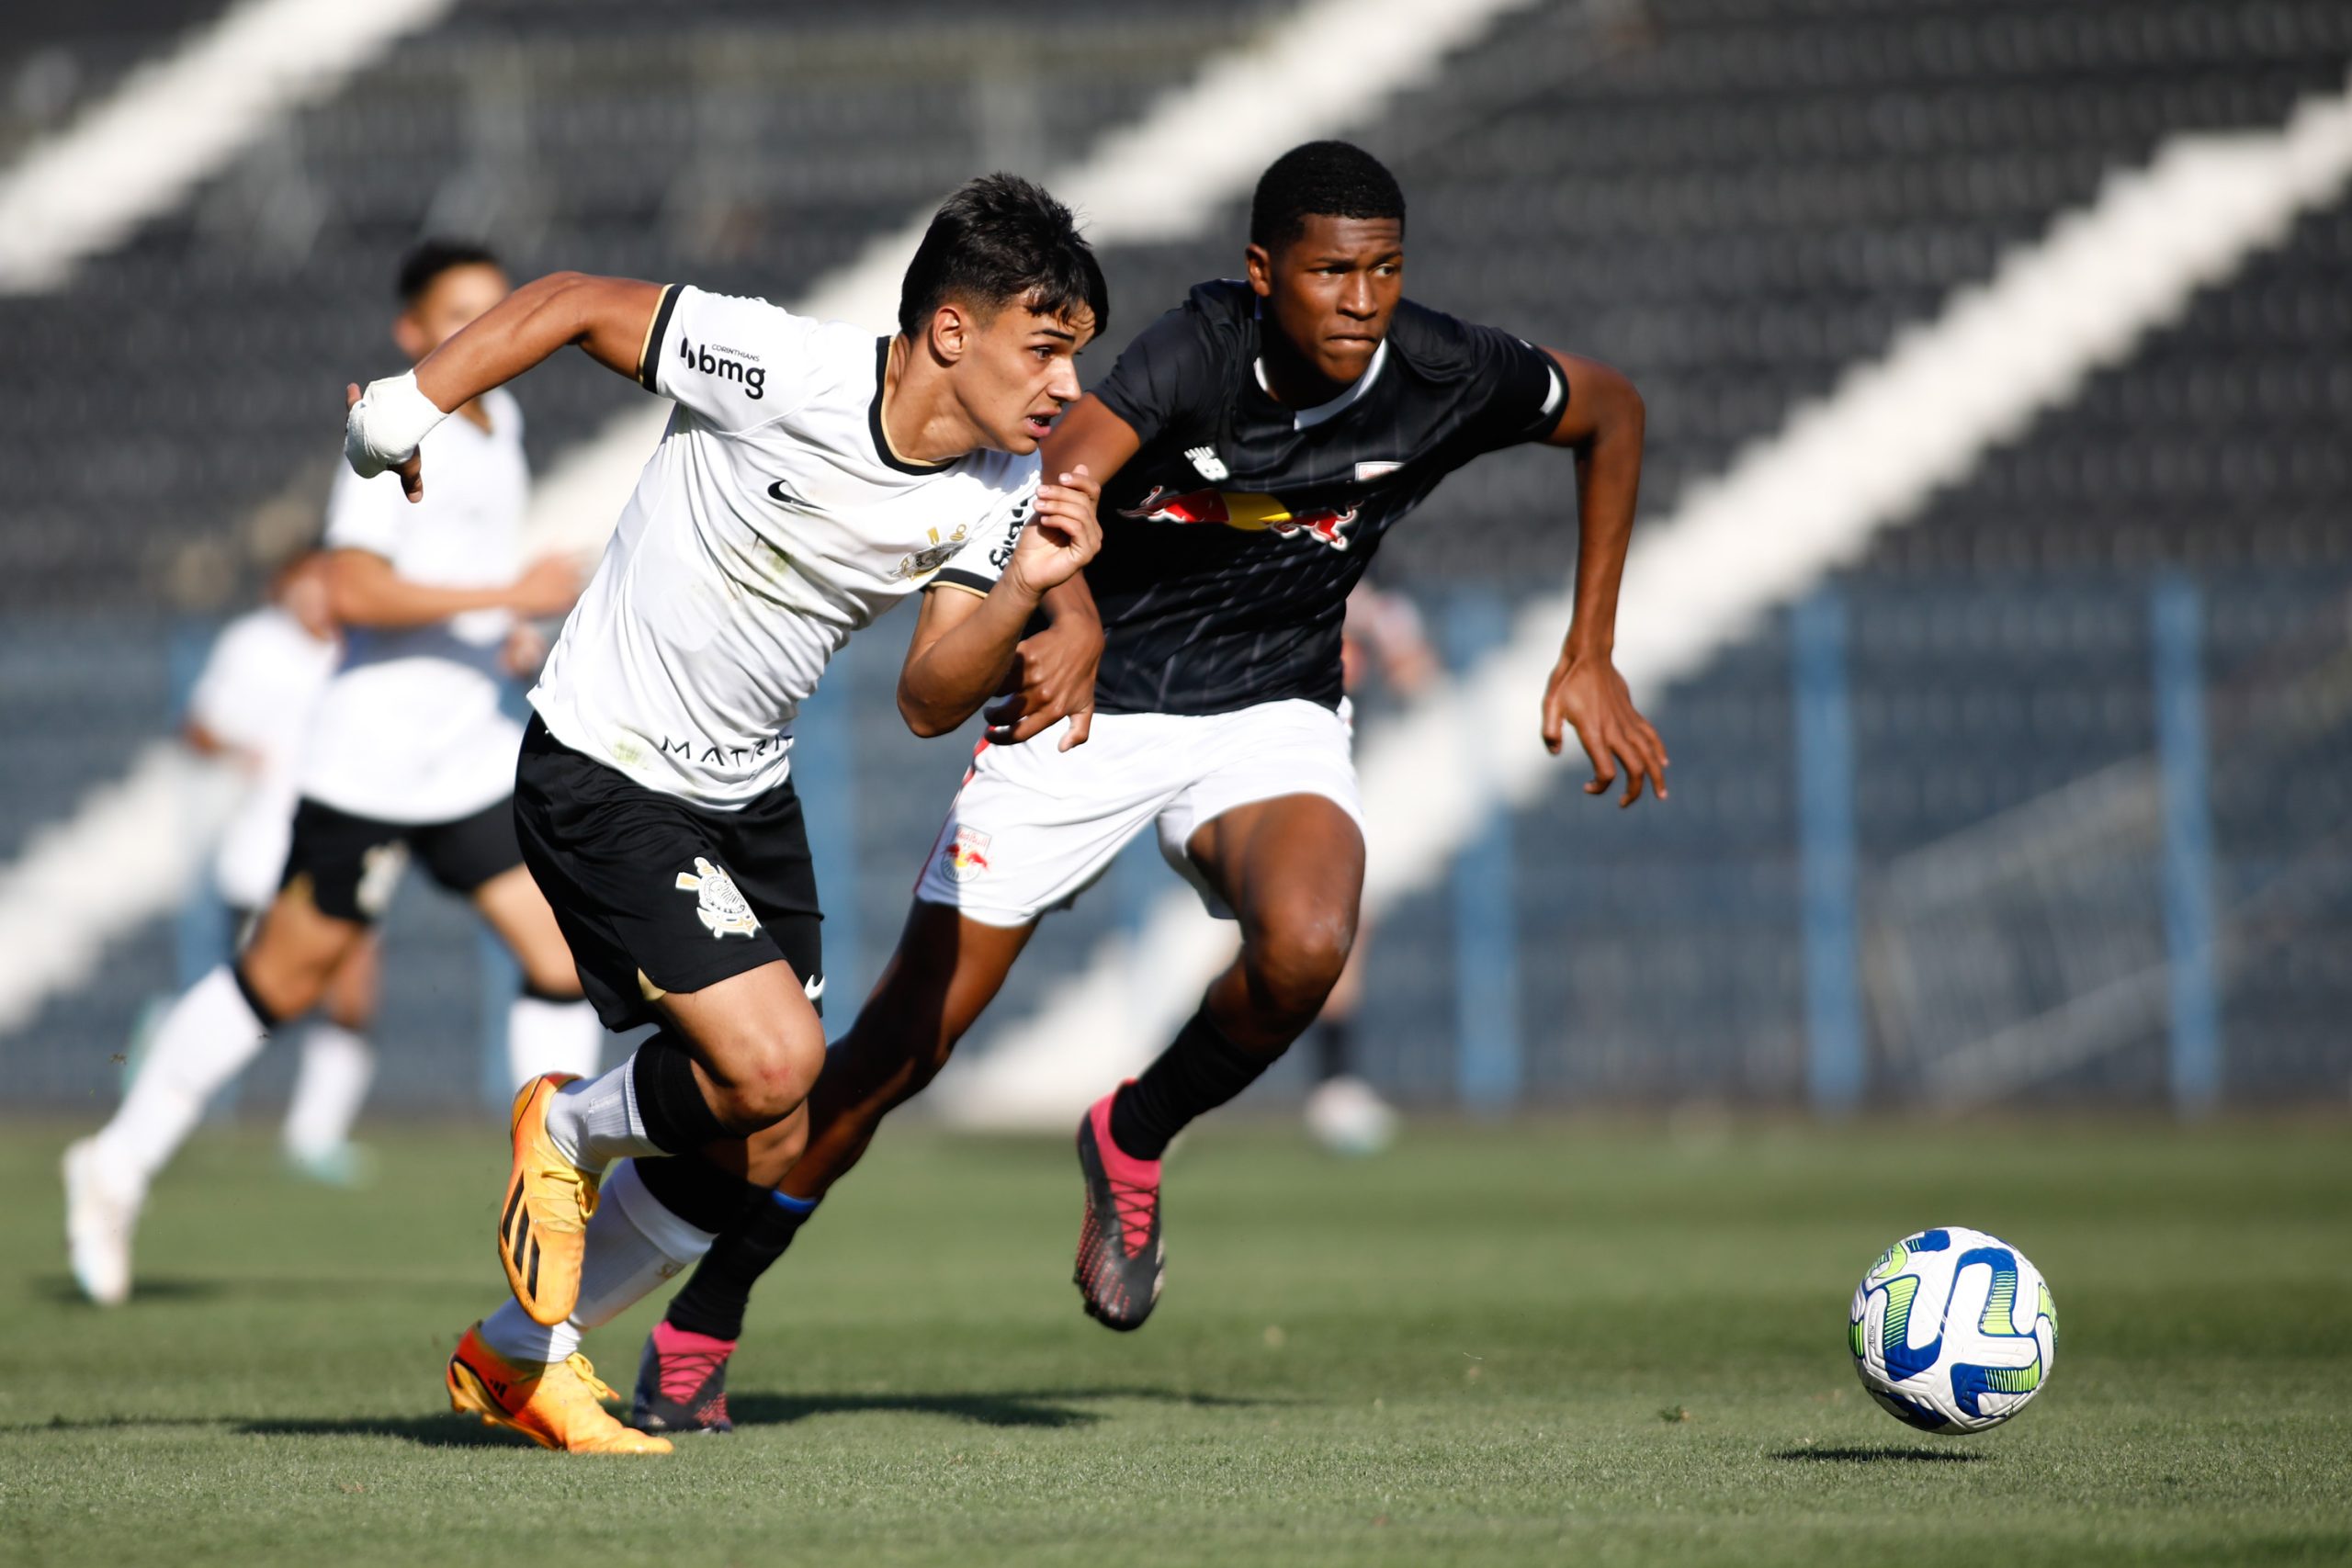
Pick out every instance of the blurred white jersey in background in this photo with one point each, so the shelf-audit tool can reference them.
(258, 689)
(411, 729)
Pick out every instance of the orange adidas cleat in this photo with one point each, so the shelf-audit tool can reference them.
(557, 1405)
(543, 1228)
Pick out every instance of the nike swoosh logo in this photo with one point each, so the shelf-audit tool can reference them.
(814, 987)
(777, 493)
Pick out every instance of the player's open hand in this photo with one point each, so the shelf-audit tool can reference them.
(1062, 536)
(410, 468)
(1052, 678)
(1588, 696)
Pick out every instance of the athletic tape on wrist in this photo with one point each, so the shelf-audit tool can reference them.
(392, 417)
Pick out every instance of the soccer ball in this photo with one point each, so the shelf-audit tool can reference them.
(1952, 1330)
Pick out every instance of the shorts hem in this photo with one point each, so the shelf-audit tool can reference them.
(723, 964)
(1001, 917)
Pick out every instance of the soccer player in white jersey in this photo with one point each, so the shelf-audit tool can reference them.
(1255, 444)
(409, 752)
(812, 474)
(251, 708)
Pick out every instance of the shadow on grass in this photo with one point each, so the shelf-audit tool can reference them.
(449, 1431)
(1042, 1407)
(60, 1288)
(1036, 1407)
(446, 1431)
(1879, 1453)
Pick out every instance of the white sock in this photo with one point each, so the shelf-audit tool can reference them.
(634, 1244)
(552, 1037)
(594, 1121)
(337, 1066)
(208, 1036)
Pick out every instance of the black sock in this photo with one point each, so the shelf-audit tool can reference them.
(1334, 1040)
(714, 1299)
(669, 1099)
(697, 1191)
(1198, 1073)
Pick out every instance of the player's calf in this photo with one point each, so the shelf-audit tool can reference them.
(662, 1100)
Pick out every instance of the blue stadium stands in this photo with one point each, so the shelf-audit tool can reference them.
(1733, 199)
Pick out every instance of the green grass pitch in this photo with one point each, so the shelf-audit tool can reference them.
(1541, 1342)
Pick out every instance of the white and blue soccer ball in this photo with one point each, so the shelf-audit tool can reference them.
(1952, 1330)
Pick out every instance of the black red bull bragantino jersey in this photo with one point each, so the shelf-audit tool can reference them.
(1232, 538)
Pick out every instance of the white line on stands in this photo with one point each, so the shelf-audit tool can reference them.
(133, 850)
(1791, 508)
(1127, 187)
(1159, 178)
(180, 119)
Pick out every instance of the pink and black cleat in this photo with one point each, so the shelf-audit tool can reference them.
(682, 1383)
(1119, 1250)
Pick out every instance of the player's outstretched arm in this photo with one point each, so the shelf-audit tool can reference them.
(608, 317)
(364, 590)
(1052, 676)
(1603, 425)
(963, 643)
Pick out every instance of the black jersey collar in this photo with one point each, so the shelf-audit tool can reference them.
(873, 417)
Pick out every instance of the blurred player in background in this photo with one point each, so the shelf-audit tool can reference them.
(407, 751)
(811, 476)
(251, 708)
(1255, 443)
(1381, 637)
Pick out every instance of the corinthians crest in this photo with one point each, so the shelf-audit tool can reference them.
(718, 903)
(933, 556)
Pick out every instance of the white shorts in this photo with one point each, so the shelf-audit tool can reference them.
(1033, 826)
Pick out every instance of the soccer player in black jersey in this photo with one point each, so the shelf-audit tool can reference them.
(1256, 444)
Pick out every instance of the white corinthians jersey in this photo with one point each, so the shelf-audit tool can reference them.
(411, 729)
(773, 521)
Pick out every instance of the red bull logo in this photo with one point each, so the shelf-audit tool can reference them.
(965, 858)
(1244, 510)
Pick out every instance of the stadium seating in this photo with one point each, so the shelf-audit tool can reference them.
(1733, 199)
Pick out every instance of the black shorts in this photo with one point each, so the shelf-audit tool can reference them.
(656, 895)
(351, 864)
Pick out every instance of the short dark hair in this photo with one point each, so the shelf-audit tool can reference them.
(1321, 179)
(999, 241)
(428, 259)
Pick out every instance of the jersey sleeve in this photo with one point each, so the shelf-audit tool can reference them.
(1517, 389)
(975, 567)
(366, 514)
(735, 362)
(1167, 377)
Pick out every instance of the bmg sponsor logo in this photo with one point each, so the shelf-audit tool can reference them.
(722, 362)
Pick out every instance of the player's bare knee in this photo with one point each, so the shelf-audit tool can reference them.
(768, 1080)
(1294, 965)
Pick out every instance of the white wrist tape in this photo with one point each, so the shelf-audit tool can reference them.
(386, 425)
